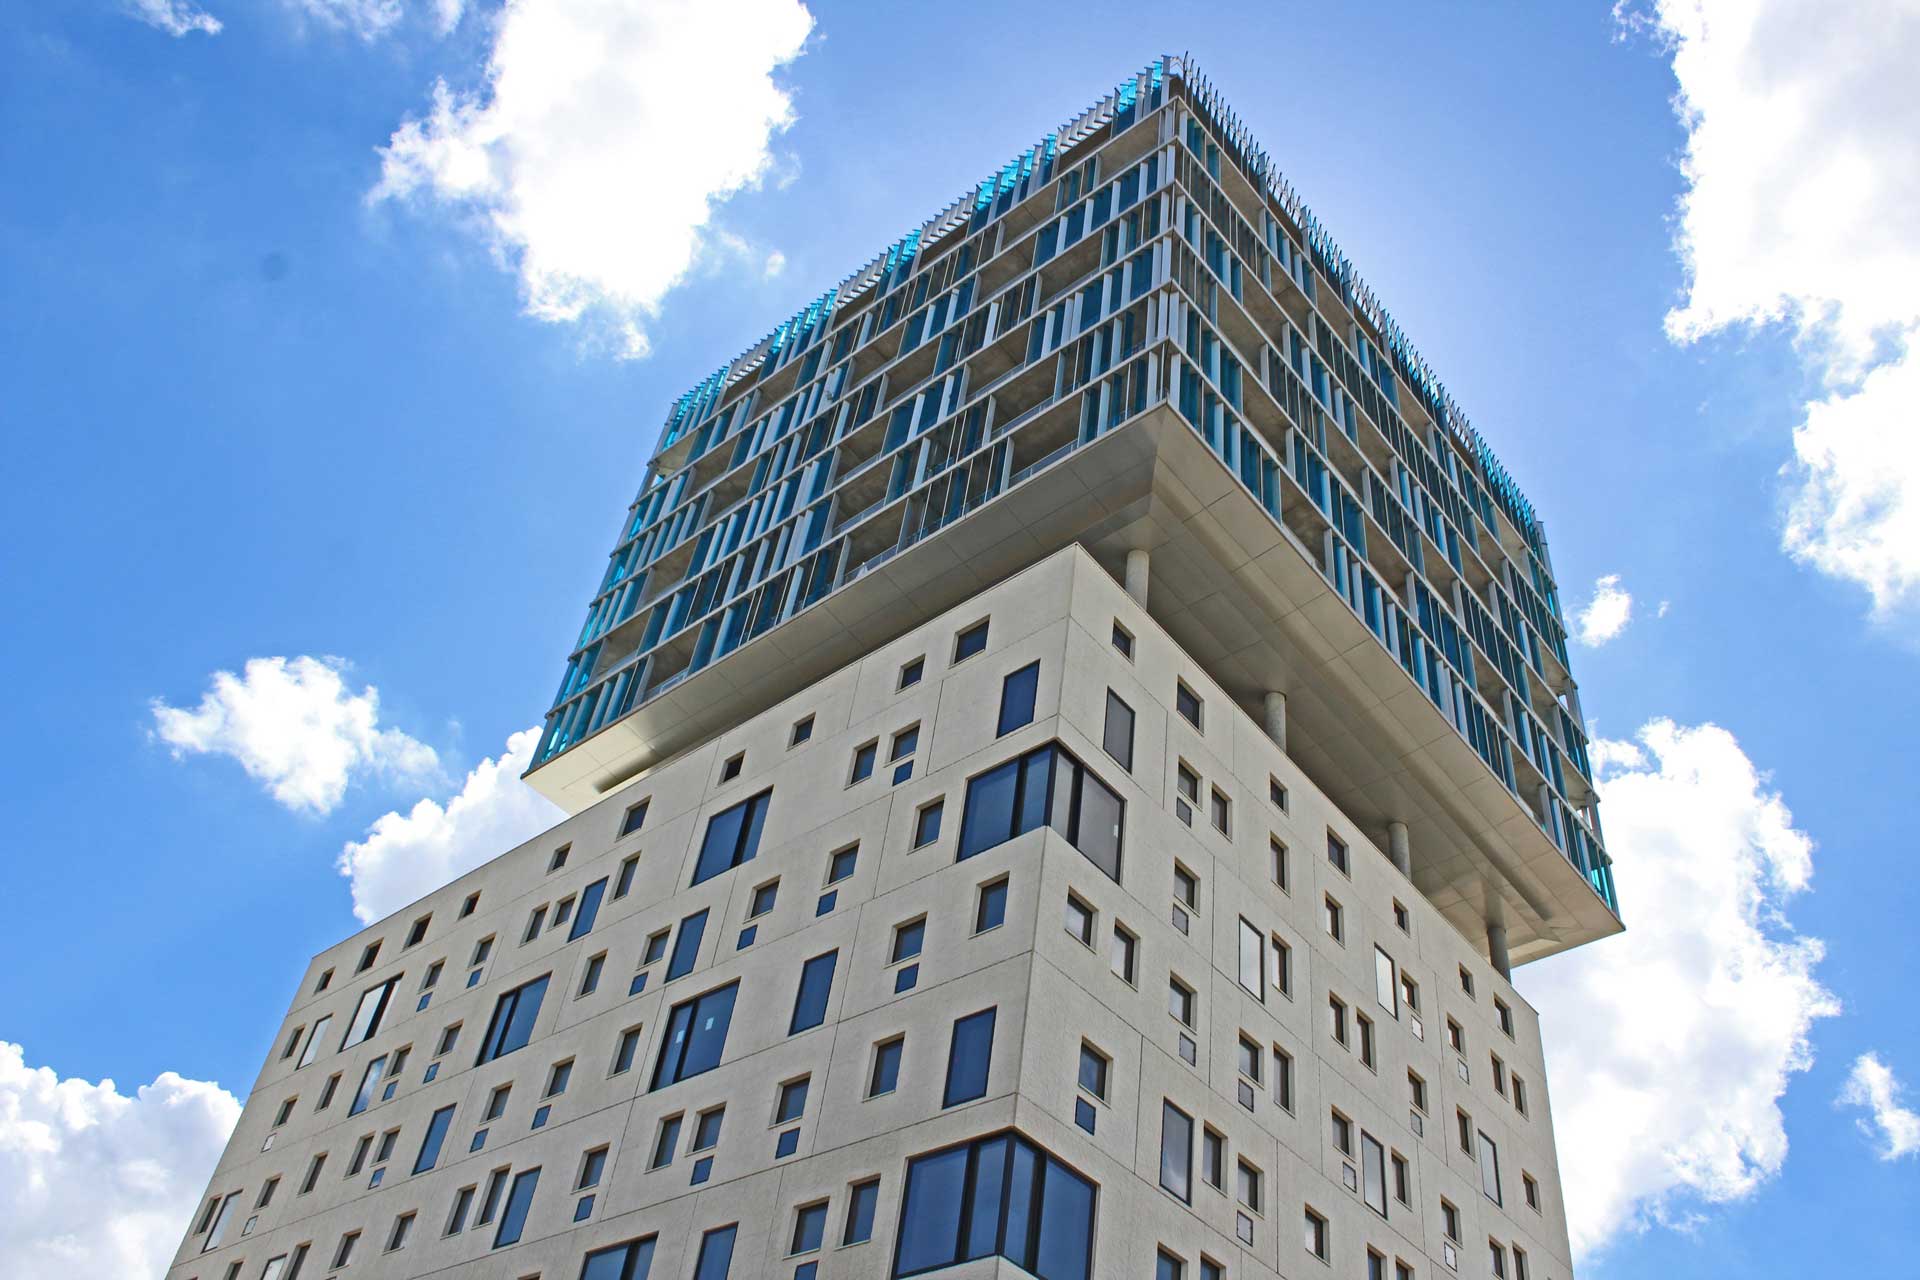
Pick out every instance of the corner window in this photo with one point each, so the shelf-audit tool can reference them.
(1043, 787)
(999, 1195)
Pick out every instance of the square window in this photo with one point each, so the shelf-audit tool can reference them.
(471, 904)
(791, 1101)
(1187, 703)
(911, 673)
(841, 865)
(905, 980)
(559, 858)
(786, 1144)
(1123, 641)
(908, 938)
(745, 940)
(763, 899)
(1083, 1114)
(731, 769)
(827, 902)
(926, 824)
(969, 642)
(638, 984)
(802, 731)
(636, 817)
(417, 931)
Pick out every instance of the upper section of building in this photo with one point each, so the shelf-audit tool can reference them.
(1135, 337)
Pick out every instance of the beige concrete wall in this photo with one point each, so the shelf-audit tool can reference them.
(1050, 991)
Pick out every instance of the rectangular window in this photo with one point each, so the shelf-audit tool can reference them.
(1017, 694)
(312, 1050)
(696, 1036)
(991, 911)
(1316, 1239)
(1116, 736)
(313, 1173)
(1402, 1179)
(666, 1142)
(535, 922)
(1489, 1168)
(969, 642)
(791, 1101)
(1181, 1001)
(589, 909)
(366, 1015)
(369, 1085)
(910, 674)
(802, 730)
(926, 824)
(1337, 1019)
(1222, 811)
(862, 1199)
(1366, 1039)
(1282, 965)
(1187, 703)
(716, 1253)
(1044, 787)
(1176, 1151)
(1213, 1157)
(1505, 1015)
(686, 945)
(402, 1228)
(1125, 949)
(1337, 854)
(1277, 793)
(513, 1218)
(1373, 1173)
(1282, 1078)
(763, 899)
(810, 1000)
(969, 1056)
(809, 1228)
(1278, 870)
(885, 1076)
(457, 1216)
(1093, 1071)
(624, 1051)
(1336, 920)
(733, 836)
(1386, 988)
(1123, 641)
(590, 979)
(636, 817)
(1168, 1267)
(706, 1129)
(343, 1253)
(1250, 1179)
(731, 768)
(1253, 961)
(999, 1195)
(513, 1017)
(430, 1144)
(863, 758)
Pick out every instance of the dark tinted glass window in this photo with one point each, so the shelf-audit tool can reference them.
(1116, 738)
(513, 1218)
(1016, 698)
(696, 1036)
(629, 1261)
(886, 1068)
(809, 1228)
(810, 1001)
(716, 1254)
(733, 837)
(999, 1195)
(861, 1202)
(863, 762)
(1176, 1151)
(908, 939)
(969, 642)
(512, 1023)
(686, 945)
(430, 1145)
(968, 1058)
(588, 910)
(1044, 787)
(992, 912)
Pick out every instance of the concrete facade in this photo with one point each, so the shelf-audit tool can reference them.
(1051, 993)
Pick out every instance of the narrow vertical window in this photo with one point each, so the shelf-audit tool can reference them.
(969, 1057)
(1017, 694)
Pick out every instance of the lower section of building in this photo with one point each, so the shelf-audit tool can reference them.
(1013, 947)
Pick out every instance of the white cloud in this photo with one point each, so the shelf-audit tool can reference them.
(776, 263)
(1671, 1044)
(1872, 1085)
(1799, 208)
(1606, 615)
(606, 134)
(175, 17)
(406, 855)
(96, 1183)
(446, 14)
(368, 19)
(296, 727)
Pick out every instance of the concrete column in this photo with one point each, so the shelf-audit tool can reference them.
(1137, 563)
(1497, 950)
(1276, 718)
(1398, 849)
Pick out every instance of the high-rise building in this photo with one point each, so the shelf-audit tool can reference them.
(1073, 733)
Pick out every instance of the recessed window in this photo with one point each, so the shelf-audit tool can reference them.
(559, 858)
(513, 1017)
(1176, 1152)
(1181, 1001)
(841, 865)
(695, 1036)
(731, 769)
(1187, 703)
(1466, 982)
(1187, 785)
(809, 1228)
(665, 1142)
(590, 977)
(1278, 864)
(1168, 1267)
(791, 1101)
(863, 759)
(1079, 920)
(471, 904)
(885, 1076)
(536, 920)
(907, 940)
(1213, 1157)
(1532, 1190)
(1336, 919)
(1342, 1134)
(1277, 793)
(1317, 1236)
(1519, 1095)
(990, 912)
(1505, 1015)
(1282, 1078)
(1450, 1221)
(417, 931)
(1222, 812)
(764, 897)
(323, 982)
(343, 1252)
(1250, 1186)
(1402, 1179)
(1017, 695)
(969, 642)
(926, 823)
(563, 912)
(1123, 641)
(1124, 953)
(624, 1051)
(802, 731)
(1456, 1037)
(1401, 920)
(1416, 1091)
(623, 882)
(1365, 1025)
(1337, 1019)
(733, 837)
(810, 999)
(1093, 1070)
(1186, 887)
(636, 817)
(706, 1129)
(1116, 736)
(558, 1076)
(911, 672)
(862, 1199)
(969, 1056)
(1337, 854)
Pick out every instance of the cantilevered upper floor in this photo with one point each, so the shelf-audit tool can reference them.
(1133, 337)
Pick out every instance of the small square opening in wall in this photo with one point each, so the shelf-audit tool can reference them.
(635, 818)
(734, 763)
(559, 858)
(911, 673)
(802, 731)
(970, 641)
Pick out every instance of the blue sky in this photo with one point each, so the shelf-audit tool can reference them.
(281, 378)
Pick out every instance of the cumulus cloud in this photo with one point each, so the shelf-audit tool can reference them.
(1871, 1084)
(1671, 1044)
(406, 855)
(296, 726)
(175, 17)
(1799, 209)
(96, 1183)
(606, 133)
(1606, 615)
